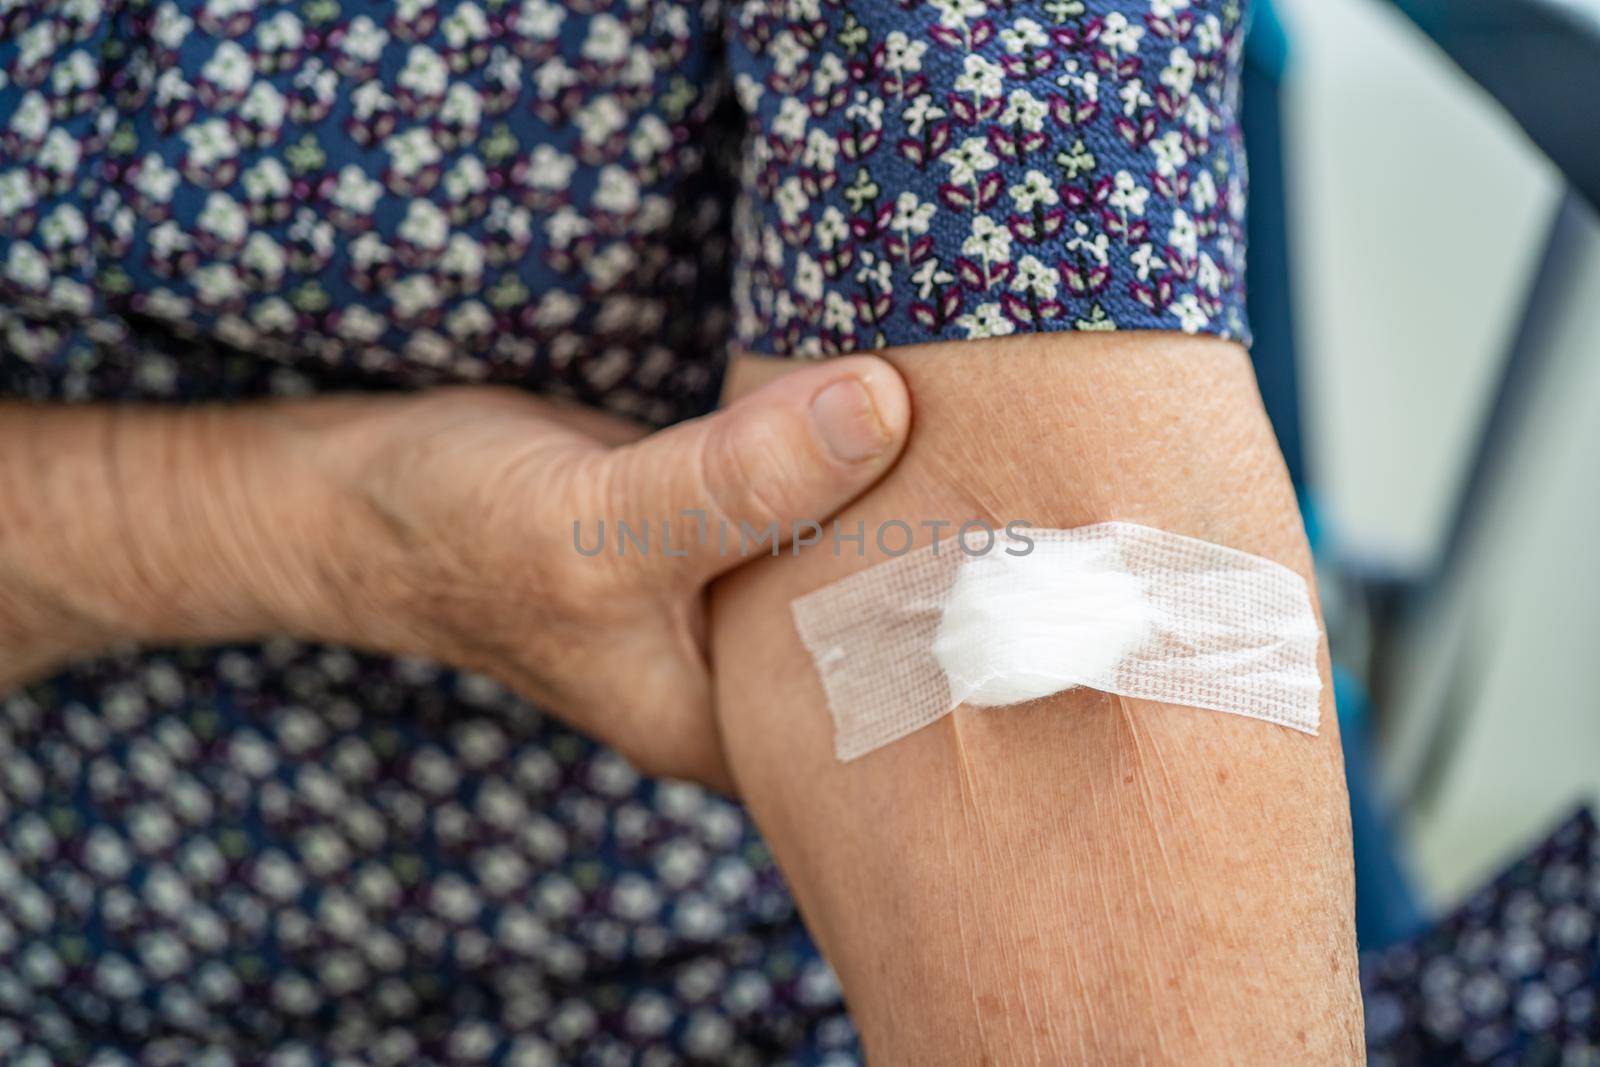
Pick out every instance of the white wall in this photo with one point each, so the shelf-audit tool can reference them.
(1419, 212)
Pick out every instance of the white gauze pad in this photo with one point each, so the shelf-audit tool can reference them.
(1115, 606)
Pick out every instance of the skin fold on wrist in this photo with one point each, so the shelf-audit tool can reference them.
(164, 526)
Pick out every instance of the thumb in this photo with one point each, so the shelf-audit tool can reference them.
(735, 483)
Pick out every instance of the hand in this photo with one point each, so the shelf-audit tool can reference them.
(461, 545)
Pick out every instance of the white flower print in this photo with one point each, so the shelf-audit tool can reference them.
(808, 278)
(414, 295)
(875, 272)
(264, 106)
(463, 258)
(1179, 72)
(171, 87)
(273, 315)
(550, 169)
(1133, 96)
(17, 193)
(821, 152)
(280, 32)
(264, 256)
(156, 180)
(902, 55)
(953, 14)
(1209, 276)
(171, 26)
(618, 191)
(228, 68)
(911, 216)
(787, 54)
(424, 226)
(463, 106)
(32, 118)
(1183, 236)
(838, 314)
(74, 73)
(969, 159)
(1121, 35)
(1096, 243)
(216, 283)
(226, 9)
(210, 143)
(930, 276)
(356, 193)
(1035, 191)
(467, 178)
(866, 109)
(986, 320)
(364, 40)
(540, 19)
(792, 118)
(411, 151)
(1023, 35)
(832, 229)
(554, 76)
(608, 39)
(369, 100)
(465, 25)
(791, 201)
(611, 264)
(1085, 83)
(600, 118)
(1192, 318)
(1169, 152)
(223, 218)
(469, 320)
(1034, 278)
(1127, 195)
(408, 11)
(1024, 111)
(565, 226)
(1147, 261)
(830, 72)
(26, 267)
(425, 72)
(989, 240)
(980, 77)
(920, 112)
(1201, 117)
(165, 240)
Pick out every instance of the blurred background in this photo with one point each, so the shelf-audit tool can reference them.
(1441, 306)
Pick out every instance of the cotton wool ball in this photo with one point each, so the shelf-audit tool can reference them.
(1019, 627)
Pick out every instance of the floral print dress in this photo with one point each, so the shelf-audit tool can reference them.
(291, 854)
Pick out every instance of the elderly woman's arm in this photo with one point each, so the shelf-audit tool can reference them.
(438, 524)
(1089, 879)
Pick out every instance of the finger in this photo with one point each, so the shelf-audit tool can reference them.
(599, 426)
(791, 453)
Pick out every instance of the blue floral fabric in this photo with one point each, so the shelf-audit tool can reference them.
(291, 854)
(1511, 978)
(962, 169)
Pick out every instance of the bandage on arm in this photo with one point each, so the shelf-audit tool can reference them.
(1085, 878)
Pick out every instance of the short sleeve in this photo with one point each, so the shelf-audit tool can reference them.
(953, 169)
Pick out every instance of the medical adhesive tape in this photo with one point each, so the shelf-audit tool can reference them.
(1117, 607)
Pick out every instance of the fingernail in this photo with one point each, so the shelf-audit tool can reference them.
(847, 422)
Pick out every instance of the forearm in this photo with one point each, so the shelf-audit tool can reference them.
(1089, 878)
(163, 525)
